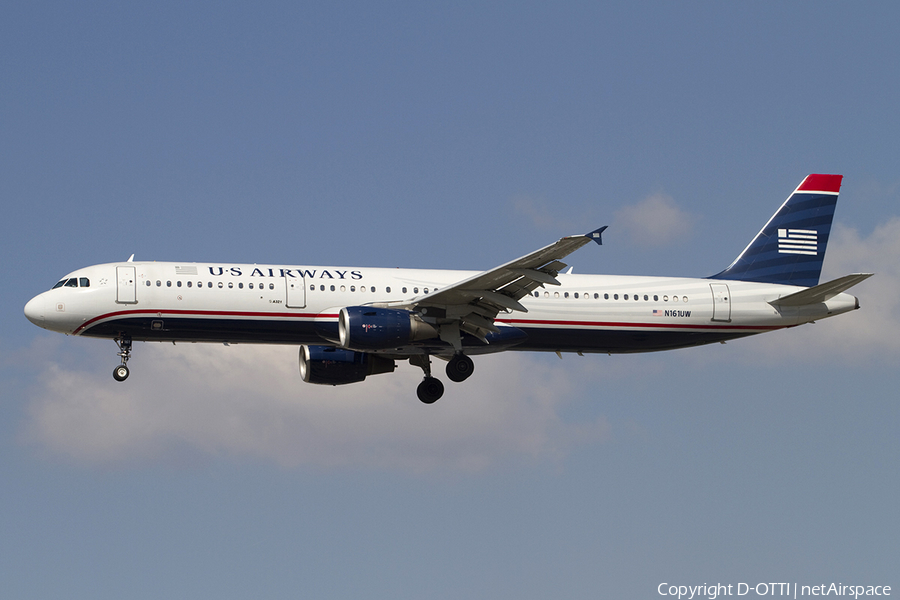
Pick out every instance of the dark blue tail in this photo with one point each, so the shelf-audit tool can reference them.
(791, 247)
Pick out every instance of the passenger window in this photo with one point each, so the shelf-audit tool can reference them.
(576, 294)
(178, 283)
(84, 282)
(684, 298)
(616, 297)
(556, 294)
(221, 285)
(415, 290)
(168, 284)
(665, 298)
(565, 294)
(230, 285)
(404, 290)
(209, 285)
(655, 298)
(158, 283)
(606, 296)
(332, 288)
(425, 291)
(240, 285)
(596, 296)
(343, 288)
(674, 298)
(352, 288)
(646, 297)
(189, 284)
(271, 286)
(636, 298)
(321, 288)
(625, 296)
(388, 289)
(546, 294)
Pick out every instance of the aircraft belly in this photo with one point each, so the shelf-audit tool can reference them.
(165, 328)
(620, 340)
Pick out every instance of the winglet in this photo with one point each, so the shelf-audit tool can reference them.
(595, 234)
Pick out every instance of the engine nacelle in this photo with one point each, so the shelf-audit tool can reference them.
(335, 366)
(370, 328)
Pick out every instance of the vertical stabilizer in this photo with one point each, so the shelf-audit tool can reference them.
(790, 248)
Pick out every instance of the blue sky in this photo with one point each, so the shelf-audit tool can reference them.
(461, 136)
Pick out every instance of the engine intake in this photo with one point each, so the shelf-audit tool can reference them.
(336, 366)
(370, 328)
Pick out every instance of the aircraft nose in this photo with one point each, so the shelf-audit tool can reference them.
(36, 310)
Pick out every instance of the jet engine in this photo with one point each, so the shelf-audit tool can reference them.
(370, 328)
(335, 366)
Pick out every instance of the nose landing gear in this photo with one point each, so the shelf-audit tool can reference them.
(120, 373)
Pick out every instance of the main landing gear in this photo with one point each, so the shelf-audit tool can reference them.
(431, 388)
(120, 373)
(459, 368)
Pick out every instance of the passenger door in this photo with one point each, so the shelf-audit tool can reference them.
(126, 286)
(721, 302)
(296, 292)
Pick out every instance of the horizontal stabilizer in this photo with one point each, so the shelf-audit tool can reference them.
(821, 292)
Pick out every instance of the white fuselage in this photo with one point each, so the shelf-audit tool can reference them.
(202, 302)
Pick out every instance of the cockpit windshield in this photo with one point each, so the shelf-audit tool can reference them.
(73, 282)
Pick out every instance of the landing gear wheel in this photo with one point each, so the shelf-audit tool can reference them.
(430, 390)
(120, 373)
(460, 368)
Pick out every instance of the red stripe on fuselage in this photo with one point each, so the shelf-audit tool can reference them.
(204, 313)
(527, 322)
(513, 322)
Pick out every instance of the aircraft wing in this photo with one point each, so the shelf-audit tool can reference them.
(476, 301)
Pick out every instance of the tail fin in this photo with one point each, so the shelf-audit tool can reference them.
(791, 247)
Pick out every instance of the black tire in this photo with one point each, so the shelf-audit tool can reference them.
(430, 390)
(460, 368)
(120, 373)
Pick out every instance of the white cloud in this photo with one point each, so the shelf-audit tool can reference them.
(654, 221)
(247, 401)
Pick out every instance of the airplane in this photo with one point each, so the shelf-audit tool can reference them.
(354, 322)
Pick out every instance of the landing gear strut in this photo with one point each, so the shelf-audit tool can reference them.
(460, 367)
(431, 388)
(120, 373)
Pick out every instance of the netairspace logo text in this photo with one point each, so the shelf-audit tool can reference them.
(794, 590)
